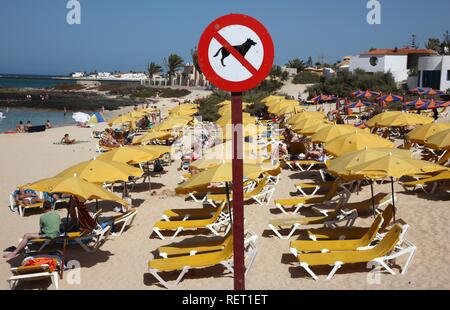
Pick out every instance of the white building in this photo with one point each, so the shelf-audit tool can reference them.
(291, 71)
(396, 61)
(434, 72)
(77, 75)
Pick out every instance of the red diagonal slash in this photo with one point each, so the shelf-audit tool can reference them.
(235, 53)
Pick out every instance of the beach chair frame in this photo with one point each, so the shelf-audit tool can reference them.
(45, 273)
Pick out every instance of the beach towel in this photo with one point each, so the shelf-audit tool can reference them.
(51, 262)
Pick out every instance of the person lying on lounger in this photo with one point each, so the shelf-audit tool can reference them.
(67, 140)
(49, 228)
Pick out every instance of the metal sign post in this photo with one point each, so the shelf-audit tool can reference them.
(238, 192)
(236, 54)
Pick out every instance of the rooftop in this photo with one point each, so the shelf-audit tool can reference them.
(400, 51)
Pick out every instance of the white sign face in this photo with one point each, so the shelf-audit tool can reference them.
(246, 42)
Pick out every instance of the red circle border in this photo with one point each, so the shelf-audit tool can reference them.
(225, 21)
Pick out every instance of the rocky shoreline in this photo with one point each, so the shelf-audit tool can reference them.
(59, 100)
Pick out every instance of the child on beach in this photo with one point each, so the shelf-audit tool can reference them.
(49, 228)
(48, 125)
(67, 140)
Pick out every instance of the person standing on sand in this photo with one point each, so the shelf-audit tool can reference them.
(65, 112)
(20, 128)
(435, 114)
(49, 224)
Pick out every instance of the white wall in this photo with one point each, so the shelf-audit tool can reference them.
(436, 63)
(396, 64)
(445, 84)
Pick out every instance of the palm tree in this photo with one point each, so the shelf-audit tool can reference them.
(173, 63)
(296, 64)
(153, 68)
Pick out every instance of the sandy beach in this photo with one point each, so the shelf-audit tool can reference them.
(121, 263)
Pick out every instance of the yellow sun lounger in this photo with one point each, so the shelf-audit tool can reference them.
(323, 246)
(312, 187)
(89, 241)
(384, 253)
(204, 246)
(344, 233)
(184, 263)
(294, 223)
(297, 203)
(214, 222)
(261, 194)
(37, 272)
(379, 200)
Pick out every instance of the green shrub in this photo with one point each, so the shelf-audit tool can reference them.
(345, 83)
(306, 78)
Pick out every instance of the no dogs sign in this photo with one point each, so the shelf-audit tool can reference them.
(235, 52)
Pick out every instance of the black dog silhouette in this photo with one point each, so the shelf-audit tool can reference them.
(242, 49)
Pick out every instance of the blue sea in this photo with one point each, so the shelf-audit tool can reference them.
(37, 117)
(31, 81)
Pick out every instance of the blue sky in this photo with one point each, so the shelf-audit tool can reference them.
(126, 35)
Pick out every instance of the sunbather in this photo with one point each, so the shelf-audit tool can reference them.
(49, 228)
(66, 139)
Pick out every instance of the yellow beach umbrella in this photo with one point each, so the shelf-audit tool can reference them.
(310, 130)
(330, 132)
(395, 166)
(355, 141)
(152, 135)
(226, 120)
(404, 119)
(158, 150)
(129, 155)
(136, 114)
(247, 131)
(342, 165)
(172, 122)
(186, 112)
(304, 123)
(76, 186)
(272, 98)
(392, 166)
(99, 171)
(219, 174)
(379, 117)
(421, 133)
(120, 120)
(290, 109)
(439, 141)
(304, 115)
(278, 106)
(226, 109)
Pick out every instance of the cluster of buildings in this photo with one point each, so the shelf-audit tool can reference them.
(107, 76)
(413, 67)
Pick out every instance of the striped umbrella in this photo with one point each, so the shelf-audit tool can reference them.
(416, 103)
(367, 94)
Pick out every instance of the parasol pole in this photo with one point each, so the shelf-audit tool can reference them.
(373, 198)
(393, 195)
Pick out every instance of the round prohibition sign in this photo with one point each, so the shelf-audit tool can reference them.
(236, 52)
